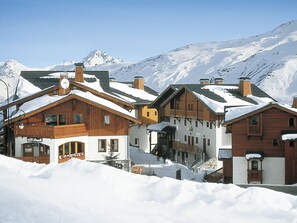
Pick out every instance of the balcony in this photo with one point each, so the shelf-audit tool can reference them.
(47, 131)
(254, 176)
(185, 147)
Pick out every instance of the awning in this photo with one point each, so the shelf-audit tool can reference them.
(163, 127)
(225, 154)
(250, 156)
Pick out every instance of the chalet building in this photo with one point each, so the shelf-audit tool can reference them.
(141, 97)
(77, 117)
(264, 144)
(196, 111)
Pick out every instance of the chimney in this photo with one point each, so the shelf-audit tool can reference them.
(204, 81)
(138, 82)
(218, 80)
(63, 84)
(294, 105)
(79, 72)
(245, 87)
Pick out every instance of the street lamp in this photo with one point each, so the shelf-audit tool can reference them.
(5, 116)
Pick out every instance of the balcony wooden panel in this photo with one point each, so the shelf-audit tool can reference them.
(35, 159)
(254, 130)
(46, 131)
(185, 147)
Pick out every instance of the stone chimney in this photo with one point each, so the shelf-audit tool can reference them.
(79, 72)
(204, 81)
(138, 82)
(294, 105)
(245, 87)
(218, 80)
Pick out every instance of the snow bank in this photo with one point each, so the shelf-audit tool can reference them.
(79, 191)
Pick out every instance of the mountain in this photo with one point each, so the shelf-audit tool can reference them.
(269, 59)
(95, 60)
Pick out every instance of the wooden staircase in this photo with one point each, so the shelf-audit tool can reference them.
(215, 177)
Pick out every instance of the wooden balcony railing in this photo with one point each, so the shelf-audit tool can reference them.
(254, 176)
(35, 159)
(46, 131)
(185, 147)
(254, 130)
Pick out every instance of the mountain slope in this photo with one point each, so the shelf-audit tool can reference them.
(270, 60)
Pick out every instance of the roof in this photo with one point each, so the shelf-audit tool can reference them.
(164, 95)
(225, 154)
(46, 101)
(218, 96)
(126, 91)
(45, 79)
(161, 127)
(235, 114)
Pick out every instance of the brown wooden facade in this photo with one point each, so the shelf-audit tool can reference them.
(261, 132)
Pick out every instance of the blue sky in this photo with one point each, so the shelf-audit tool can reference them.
(38, 33)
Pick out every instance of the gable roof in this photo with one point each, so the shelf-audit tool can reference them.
(165, 95)
(45, 79)
(238, 113)
(44, 102)
(217, 97)
(135, 96)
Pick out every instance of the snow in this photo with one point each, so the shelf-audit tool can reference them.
(138, 93)
(289, 137)
(158, 126)
(45, 100)
(80, 191)
(253, 156)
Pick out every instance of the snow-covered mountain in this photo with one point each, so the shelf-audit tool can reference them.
(269, 59)
(95, 60)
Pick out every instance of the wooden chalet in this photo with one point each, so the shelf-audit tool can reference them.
(197, 113)
(264, 145)
(71, 119)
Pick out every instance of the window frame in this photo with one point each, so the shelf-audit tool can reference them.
(100, 145)
(112, 149)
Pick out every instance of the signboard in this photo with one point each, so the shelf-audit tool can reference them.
(30, 139)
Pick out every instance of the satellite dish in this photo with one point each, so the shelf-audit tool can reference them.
(64, 83)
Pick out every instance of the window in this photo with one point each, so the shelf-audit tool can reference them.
(147, 114)
(210, 125)
(185, 138)
(28, 149)
(207, 124)
(254, 164)
(291, 122)
(196, 123)
(174, 122)
(196, 140)
(71, 148)
(190, 107)
(185, 122)
(55, 92)
(136, 141)
(62, 119)
(275, 142)
(106, 119)
(114, 145)
(254, 120)
(102, 145)
(51, 120)
(291, 143)
(78, 118)
(178, 153)
(171, 104)
(208, 142)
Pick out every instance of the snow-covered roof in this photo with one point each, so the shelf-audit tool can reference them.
(45, 100)
(289, 137)
(129, 93)
(236, 112)
(67, 73)
(228, 98)
(159, 127)
(224, 154)
(249, 156)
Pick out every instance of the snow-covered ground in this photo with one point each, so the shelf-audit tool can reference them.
(80, 191)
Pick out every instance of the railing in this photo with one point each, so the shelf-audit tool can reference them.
(35, 159)
(215, 177)
(255, 130)
(185, 147)
(46, 131)
(254, 175)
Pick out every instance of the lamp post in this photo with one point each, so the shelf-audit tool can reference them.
(5, 116)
